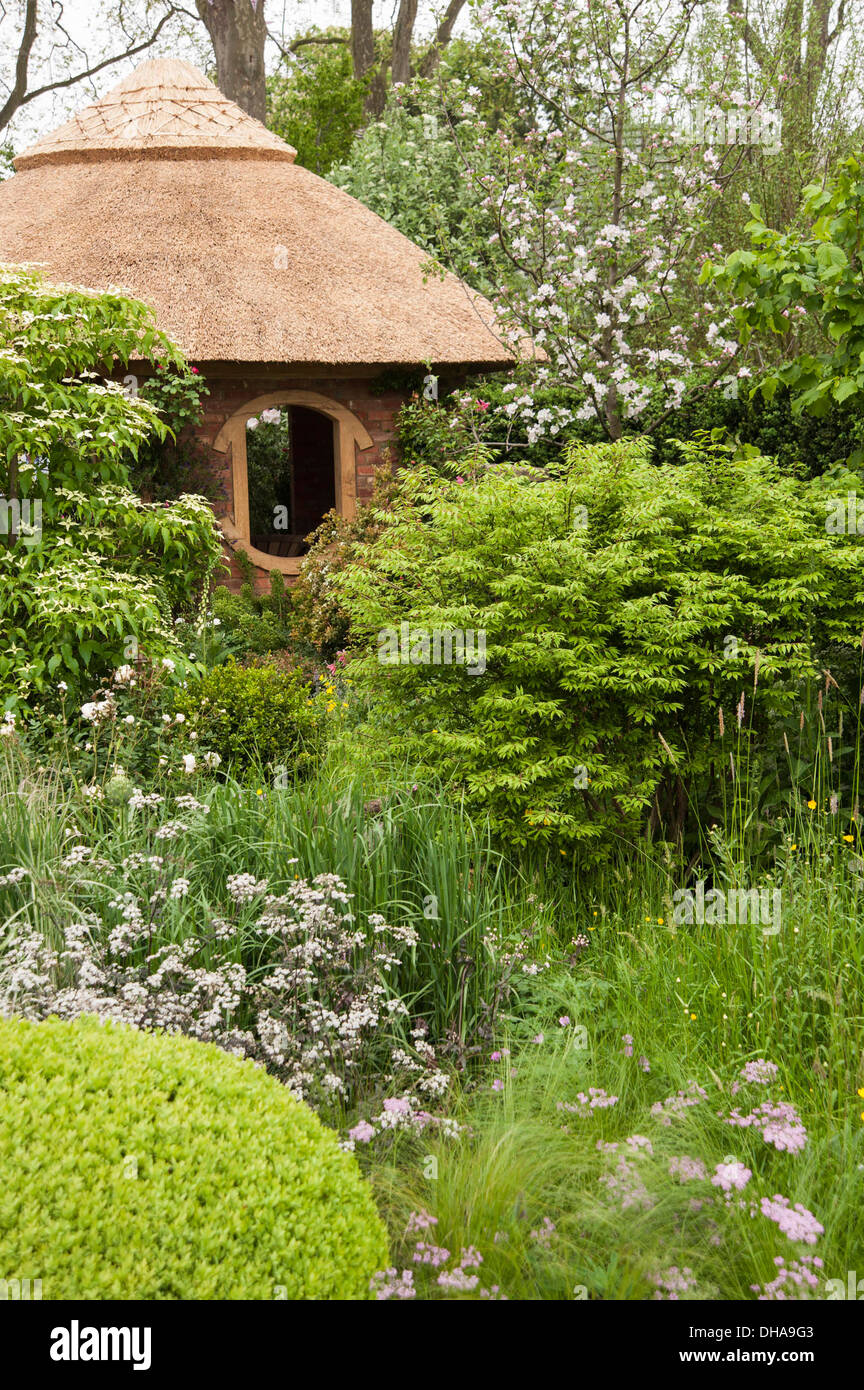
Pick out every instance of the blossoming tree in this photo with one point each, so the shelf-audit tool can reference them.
(601, 212)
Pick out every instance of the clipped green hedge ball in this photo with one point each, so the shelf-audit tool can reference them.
(142, 1166)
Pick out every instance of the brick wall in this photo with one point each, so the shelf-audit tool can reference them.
(229, 391)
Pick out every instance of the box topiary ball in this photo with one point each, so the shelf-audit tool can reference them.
(147, 1166)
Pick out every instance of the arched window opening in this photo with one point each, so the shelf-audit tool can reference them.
(292, 478)
(295, 464)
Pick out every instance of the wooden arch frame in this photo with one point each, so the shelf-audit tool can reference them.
(348, 432)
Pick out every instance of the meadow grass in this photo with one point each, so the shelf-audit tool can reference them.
(698, 1002)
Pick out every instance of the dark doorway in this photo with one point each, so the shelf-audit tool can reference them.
(313, 473)
(292, 480)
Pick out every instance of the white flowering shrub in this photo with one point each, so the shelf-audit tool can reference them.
(103, 571)
(288, 978)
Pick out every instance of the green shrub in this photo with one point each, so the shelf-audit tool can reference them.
(314, 101)
(437, 433)
(89, 573)
(156, 1167)
(254, 716)
(321, 622)
(800, 443)
(166, 468)
(251, 622)
(623, 605)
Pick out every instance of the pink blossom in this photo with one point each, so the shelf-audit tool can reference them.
(687, 1169)
(731, 1175)
(420, 1221)
(780, 1124)
(795, 1222)
(398, 1105)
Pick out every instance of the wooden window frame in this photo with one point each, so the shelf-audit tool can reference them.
(349, 434)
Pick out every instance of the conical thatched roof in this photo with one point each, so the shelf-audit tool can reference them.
(171, 192)
(164, 107)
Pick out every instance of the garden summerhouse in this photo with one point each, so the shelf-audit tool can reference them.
(283, 290)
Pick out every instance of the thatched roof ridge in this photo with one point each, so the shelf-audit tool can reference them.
(164, 108)
(245, 256)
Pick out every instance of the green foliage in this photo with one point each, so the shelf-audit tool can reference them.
(152, 1167)
(252, 622)
(255, 717)
(61, 423)
(322, 625)
(410, 166)
(799, 441)
(165, 468)
(407, 168)
(447, 431)
(102, 573)
(268, 464)
(607, 593)
(428, 433)
(315, 102)
(96, 593)
(803, 288)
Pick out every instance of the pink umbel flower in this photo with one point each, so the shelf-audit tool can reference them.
(780, 1123)
(434, 1255)
(795, 1222)
(596, 1099)
(420, 1221)
(760, 1072)
(731, 1176)
(797, 1277)
(457, 1281)
(687, 1169)
(626, 1185)
(544, 1233)
(637, 1143)
(388, 1283)
(672, 1282)
(674, 1106)
(756, 1073)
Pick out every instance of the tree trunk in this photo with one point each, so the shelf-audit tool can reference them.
(238, 33)
(364, 57)
(362, 37)
(400, 66)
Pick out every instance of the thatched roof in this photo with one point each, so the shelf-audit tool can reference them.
(168, 190)
(165, 108)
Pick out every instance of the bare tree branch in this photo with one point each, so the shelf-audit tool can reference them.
(442, 37)
(20, 97)
(19, 90)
